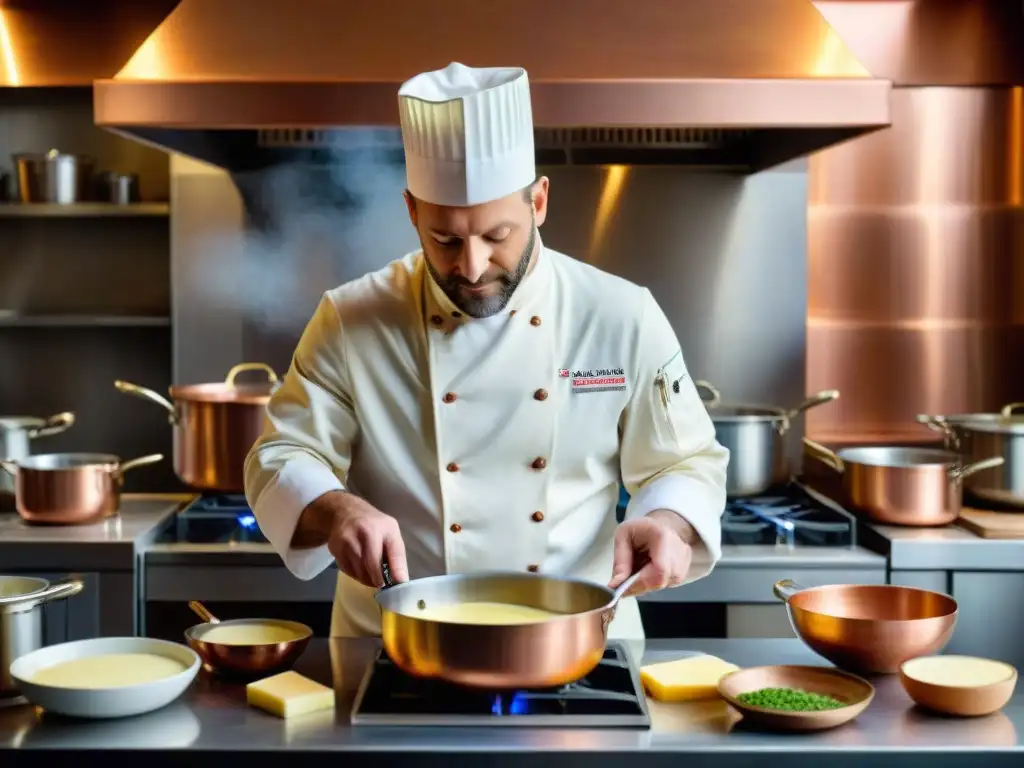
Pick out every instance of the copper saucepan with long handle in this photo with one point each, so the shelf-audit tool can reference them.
(544, 654)
(287, 641)
(215, 425)
(70, 488)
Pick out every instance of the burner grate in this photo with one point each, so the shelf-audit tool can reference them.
(791, 516)
(610, 696)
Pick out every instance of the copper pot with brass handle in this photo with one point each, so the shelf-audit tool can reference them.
(215, 425)
(902, 486)
(70, 488)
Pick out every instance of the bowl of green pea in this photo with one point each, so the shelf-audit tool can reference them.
(796, 698)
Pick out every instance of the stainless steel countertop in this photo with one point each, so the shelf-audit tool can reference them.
(212, 718)
(108, 545)
(949, 548)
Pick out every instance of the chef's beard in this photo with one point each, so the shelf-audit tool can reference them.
(486, 306)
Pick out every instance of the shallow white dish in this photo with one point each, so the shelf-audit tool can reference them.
(120, 701)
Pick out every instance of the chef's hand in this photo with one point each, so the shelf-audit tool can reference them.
(661, 541)
(362, 537)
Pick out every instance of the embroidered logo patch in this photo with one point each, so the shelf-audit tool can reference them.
(598, 380)
(563, 373)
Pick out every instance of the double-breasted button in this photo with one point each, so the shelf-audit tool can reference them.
(539, 463)
(452, 467)
(456, 315)
(455, 528)
(533, 568)
(436, 319)
(513, 313)
(534, 321)
(540, 394)
(450, 397)
(537, 516)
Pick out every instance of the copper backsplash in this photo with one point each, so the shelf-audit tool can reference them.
(916, 233)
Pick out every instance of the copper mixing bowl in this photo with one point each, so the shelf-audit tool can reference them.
(866, 627)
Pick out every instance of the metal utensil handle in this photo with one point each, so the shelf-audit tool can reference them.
(958, 473)
(824, 455)
(9, 467)
(146, 394)
(57, 590)
(385, 572)
(54, 425)
(200, 610)
(715, 397)
(142, 461)
(785, 589)
(825, 396)
(242, 367)
(623, 588)
(1008, 410)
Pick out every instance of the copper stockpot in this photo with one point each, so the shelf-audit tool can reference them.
(902, 486)
(215, 425)
(866, 627)
(246, 661)
(70, 488)
(545, 654)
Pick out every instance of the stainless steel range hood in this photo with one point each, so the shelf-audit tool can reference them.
(728, 83)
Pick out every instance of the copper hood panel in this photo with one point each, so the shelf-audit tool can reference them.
(752, 82)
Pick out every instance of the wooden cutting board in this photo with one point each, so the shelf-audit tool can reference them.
(992, 525)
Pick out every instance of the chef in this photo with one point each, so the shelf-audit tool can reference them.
(475, 404)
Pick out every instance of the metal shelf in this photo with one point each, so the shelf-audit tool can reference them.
(83, 210)
(13, 320)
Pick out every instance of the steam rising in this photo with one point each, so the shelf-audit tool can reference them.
(312, 223)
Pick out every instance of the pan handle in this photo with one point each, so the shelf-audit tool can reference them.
(958, 473)
(939, 424)
(142, 461)
(54, 425)
(785, 589)
(242, 367)
(824, 455)
(1010, 409)
(714, 396)
(148, 394)
(10, 467)
(825, 396)
(385, 571)
(200, 610)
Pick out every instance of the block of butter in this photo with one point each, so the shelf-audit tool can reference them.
(289, 694)
(695, 677)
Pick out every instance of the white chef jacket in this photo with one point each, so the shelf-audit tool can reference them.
(497, 444)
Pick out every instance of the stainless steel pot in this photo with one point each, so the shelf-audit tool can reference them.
(215, 425)
(902, 486)
(977, 435)
(54, 177)
(754, 435)
(545, 654)
(16, 434)
(21, 619)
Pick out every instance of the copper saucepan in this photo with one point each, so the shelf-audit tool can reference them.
(867, 627)
(246, 660)
(544, 654)
(215, 425)
(70, 488)
(902, 486)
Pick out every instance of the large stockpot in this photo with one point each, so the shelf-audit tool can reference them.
(549, 653)
(54, 177)
(976, 435)
(215, 426)
(21, 619)
(755, 437)
(902, 486)
(70, 488)
(868, 627)
(16, 434)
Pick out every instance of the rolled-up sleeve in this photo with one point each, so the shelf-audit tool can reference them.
(306, 447)
(669, 456)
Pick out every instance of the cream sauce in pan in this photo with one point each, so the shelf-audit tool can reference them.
(497, 614)
(250, 634)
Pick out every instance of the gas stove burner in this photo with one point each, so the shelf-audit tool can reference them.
(216, 519)
(790, 516)
(610, 696)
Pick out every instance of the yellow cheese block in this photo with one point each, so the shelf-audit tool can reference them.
(686, 679)
(289, 694)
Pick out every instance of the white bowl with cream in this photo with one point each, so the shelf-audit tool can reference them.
(106, 677)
